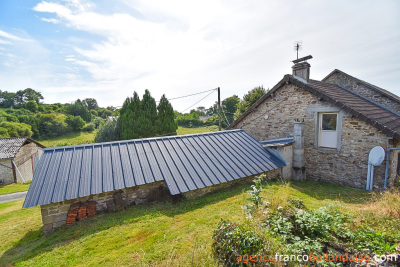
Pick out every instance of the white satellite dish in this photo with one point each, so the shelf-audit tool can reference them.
(375, 158)
(266, 117)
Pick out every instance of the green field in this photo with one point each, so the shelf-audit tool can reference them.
(183, 130)
(71, 138)
(162, 234)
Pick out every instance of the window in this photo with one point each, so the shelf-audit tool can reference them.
(327, 130)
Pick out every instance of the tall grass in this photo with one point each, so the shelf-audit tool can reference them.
(386, 204)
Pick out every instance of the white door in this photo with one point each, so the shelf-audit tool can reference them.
(327, 130)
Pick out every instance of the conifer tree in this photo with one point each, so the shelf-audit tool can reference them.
(166, 124)
(129, 114)
(148, 117)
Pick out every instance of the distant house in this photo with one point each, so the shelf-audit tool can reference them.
(73, 183)
(18, 159)
(205, 118)
(342, 118)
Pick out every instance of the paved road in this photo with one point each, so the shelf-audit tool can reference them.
(13, 196)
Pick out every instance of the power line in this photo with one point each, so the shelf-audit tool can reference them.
(198, 101)
(170, 99)
(190, 94)
(225, 115)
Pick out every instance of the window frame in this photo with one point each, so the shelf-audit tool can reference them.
(320, 128)
(315, 111)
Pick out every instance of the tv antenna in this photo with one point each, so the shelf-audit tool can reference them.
(298, 45)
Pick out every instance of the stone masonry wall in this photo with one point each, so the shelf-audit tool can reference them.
(348, 166)
(54, 215)
(362, 89)
(6, 173)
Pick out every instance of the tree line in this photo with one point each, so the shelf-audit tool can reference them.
(24, 114)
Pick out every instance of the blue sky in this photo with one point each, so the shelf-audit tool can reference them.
(108, 49)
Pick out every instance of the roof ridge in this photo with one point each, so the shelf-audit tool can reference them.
(368, 99)
(372, 86)
(348, 108)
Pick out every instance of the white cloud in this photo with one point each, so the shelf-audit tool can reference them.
(13, 37)
(177, 46)
(55, 21)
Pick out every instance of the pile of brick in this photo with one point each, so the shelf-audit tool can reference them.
(80, 211)
(73, 213)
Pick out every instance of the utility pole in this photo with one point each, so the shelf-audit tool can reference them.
(219, 109)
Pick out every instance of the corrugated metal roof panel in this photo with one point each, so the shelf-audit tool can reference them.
(185, 163)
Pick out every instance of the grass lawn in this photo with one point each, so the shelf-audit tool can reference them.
(71, 138)
(13, 188)
(183, 130)
(157, 234)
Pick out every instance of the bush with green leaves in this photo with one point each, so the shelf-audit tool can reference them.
(75, 123)
(109, 131)
(232, 240)
(256, 201)
(90, 127)
(52, 125)
(14, 129)
(326, 229)
(294, 229)
(97, 122)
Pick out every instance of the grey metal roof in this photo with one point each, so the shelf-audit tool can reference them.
(185, 162)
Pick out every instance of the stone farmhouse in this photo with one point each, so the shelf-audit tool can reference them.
(341, 119)
(18, 159)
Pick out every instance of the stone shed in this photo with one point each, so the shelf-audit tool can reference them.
(18, 159)
(75, 182)
(341, 117)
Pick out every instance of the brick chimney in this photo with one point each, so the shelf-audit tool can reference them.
(301, 68)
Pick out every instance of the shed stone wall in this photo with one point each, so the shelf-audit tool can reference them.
(54, 215)
(347, 166)
(6, 172)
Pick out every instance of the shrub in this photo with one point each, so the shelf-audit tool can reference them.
(89, 127)
(76, 123)
(14, 129)
(50, 125)
(231, 241)
(109, 131)
(97, 122)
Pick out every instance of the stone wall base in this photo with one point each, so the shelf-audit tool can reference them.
(55, 215)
